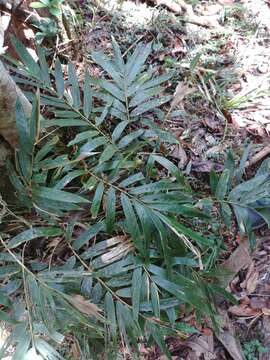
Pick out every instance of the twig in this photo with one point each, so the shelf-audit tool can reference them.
(259, 156)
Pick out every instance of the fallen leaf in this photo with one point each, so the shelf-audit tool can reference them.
(202, 346)
(238, 260)
(259, 303)
(228, 339)
(226, 2)
(266, 311)
(181, 91)
(252, 282)
(205, 166)
(243, 310)
(84, 305)
(211, 123)
(179, 153)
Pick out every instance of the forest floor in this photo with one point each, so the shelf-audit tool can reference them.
(221, 103)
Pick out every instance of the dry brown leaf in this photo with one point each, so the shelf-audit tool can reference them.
(228, 339)
(211, 123)
(202, 345)
(226, 2)
(181, 91)
(238, 260)
(252, 282)
(259, 302)
(179, 153)
(243, 310)
(266, 311)
(84, 306)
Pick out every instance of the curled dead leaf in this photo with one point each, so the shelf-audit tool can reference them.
(260, 303)
(266, 311)
(244, 310)
(85, 306)
(181, 91)
(179, 153)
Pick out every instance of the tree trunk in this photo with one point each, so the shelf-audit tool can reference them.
(9, 93)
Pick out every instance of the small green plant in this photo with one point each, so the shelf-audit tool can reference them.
(134, 231)
(54, 6)
(253, 349)
(47, 29)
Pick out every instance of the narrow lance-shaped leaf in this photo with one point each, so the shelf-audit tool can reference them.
(33, 234)
(111, 317)
(110, 210)
(136, 61)
(136, 291)
(35, 119)
(155, 300)
(222, 185)
(44, 65)
(58, 195)
(26, 58)
(131, 222)
(75, 89)
(59, 79)
(97, 200)
(87, 96)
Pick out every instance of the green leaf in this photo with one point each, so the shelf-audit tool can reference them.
(68, 178)
(213, 181)
(4, 299)
(85, 135)
(118, 130)
(108, 66)
(33, 233)
(157, 80)
(35, 120)
(131, 180)
(131, 221)
(75, 89)
(88, 235)
(222, 185)
(37, 5)
(26, 58)
(183, 327)
(136, 291)
(9, 270)
(145, 95)
(102, 246)
(136, 61)
(23, 128)
(108, 153)
(126, 140)
(159, 338)
(158, 186)
(59, 79)
(179, 229)
(55, 11)
(111, 317)
(110, 210)
(58, 195)
(97, 200)
(44, 65)
(87, 149)
(87, 96)
(173, 169)
(226, 214)
(46, 149)
(112, 89)
(155, 300)
(149, 105)
(118, 59)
